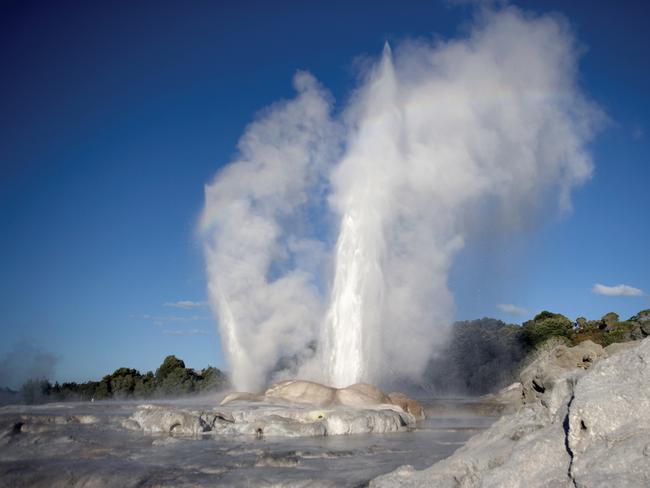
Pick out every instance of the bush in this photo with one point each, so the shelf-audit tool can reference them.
(546, 325)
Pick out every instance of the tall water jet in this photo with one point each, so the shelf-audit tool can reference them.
(351, 334)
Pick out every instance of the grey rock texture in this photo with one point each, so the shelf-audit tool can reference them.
(301, 392)
(582, 422)
(240, 418)
(609, 426)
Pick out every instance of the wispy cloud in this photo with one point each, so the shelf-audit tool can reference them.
(191, 332)
(617, 290)
(185, 304)
(165, 319)
(511, 309)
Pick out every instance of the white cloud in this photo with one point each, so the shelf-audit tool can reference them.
(511, 309)
(617, 290)
(185, 304)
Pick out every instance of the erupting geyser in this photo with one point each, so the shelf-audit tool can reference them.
(378, 198)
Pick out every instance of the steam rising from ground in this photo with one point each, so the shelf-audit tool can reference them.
(24, 362)
(380, 199)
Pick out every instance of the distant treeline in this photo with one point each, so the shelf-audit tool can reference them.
(480, 357)
(484, 355)
(171, 379)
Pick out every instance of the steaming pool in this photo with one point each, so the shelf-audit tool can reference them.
(57, 445)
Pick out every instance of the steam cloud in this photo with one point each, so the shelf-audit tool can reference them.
(24, 362)
(342, 230)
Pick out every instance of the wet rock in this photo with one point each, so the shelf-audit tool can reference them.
(8, 430)
(164, 441)
(85, 419)
(349, 421)
(271, 420)
(157, 419)
(277, 460)
(408, 405)
(300, 392)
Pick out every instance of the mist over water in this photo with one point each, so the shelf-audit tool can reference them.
(342, 229)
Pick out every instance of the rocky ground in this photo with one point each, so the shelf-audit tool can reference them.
(202, 444)
(580, 419)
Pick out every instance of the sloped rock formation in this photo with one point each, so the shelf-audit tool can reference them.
(292, 408)
(301, 392)
(268, 420)
(582, 422)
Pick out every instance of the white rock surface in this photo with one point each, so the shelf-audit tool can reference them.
(583, 423)
(609, 422)
(271, 420)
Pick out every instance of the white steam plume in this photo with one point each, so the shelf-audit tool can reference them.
(263, 261)
(491, 125)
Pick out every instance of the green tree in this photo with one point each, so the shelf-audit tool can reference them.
(170, 364)
(211, 379)
(179, 381)
(103, 389)
(145, 386)
(546, 325)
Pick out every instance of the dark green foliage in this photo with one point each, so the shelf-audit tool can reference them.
(179, 381)
(145, 386)
(643, 317)
(212, 379)
(172, 378)
(484, 355)
(609, 329)
(546, 325)
(103, 389)
(610, 318)
(122, 382)
(170, 364)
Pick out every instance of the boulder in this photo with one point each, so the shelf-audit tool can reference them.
(619, 346)
(595, 435)
(241, 396)
(407, 404)
(261, 419)
(609, 426)
(361, 395)
(158, 419)
(303, 392)
(549, 378)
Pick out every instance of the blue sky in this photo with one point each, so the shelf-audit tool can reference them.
(113, 117)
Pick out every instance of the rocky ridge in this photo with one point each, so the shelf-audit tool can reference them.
(580, 420)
